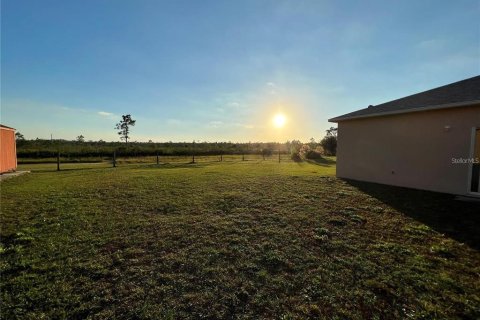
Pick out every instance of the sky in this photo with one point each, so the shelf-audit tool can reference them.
(221, 70)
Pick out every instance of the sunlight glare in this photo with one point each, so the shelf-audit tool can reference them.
(279, 120)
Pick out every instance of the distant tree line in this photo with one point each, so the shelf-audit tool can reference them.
(43, 148)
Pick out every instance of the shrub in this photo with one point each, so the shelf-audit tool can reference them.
(329, 145)
(295, 156)
(267, 152)
(308, 153)
(313, 155)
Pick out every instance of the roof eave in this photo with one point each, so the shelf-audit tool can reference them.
(427, 108)
(7, 128)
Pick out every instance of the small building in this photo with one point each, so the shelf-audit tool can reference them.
(8, 149)
(429, 141)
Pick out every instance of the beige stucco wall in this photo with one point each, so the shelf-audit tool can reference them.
(411, 150)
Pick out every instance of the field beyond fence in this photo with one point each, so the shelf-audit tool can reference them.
(96, 162)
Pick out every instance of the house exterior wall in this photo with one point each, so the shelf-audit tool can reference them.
(412, 150)
(8, 152)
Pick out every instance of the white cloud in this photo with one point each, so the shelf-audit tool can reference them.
(105, 114)
(243, 125)
(233, 104)
(432, 44)
(215, 124)
(271, 87)
(174, 122)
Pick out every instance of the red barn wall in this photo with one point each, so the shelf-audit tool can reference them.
(8, 152)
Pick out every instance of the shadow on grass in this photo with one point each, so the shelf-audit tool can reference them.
(459, 220)
(169, 165)
(66, 169)
(201, 164)
(323, 162)
(26, 162)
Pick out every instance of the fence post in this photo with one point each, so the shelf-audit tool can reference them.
(193, 152)
(158, 161)
(243, 157)
(114, 159)
(278, 155)
(221, 157)
(58, 160)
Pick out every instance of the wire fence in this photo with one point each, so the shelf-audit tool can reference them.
(69, 163)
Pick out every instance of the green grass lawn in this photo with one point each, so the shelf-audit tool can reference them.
(245, 240)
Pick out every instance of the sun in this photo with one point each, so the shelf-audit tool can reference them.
(279, 120)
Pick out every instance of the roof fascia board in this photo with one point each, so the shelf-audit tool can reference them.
(7, 128)
(388, 113)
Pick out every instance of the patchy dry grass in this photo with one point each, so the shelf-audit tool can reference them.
(232, 240)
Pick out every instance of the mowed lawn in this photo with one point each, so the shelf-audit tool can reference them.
(232, 240)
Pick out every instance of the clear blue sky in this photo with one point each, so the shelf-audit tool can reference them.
(220, 70)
